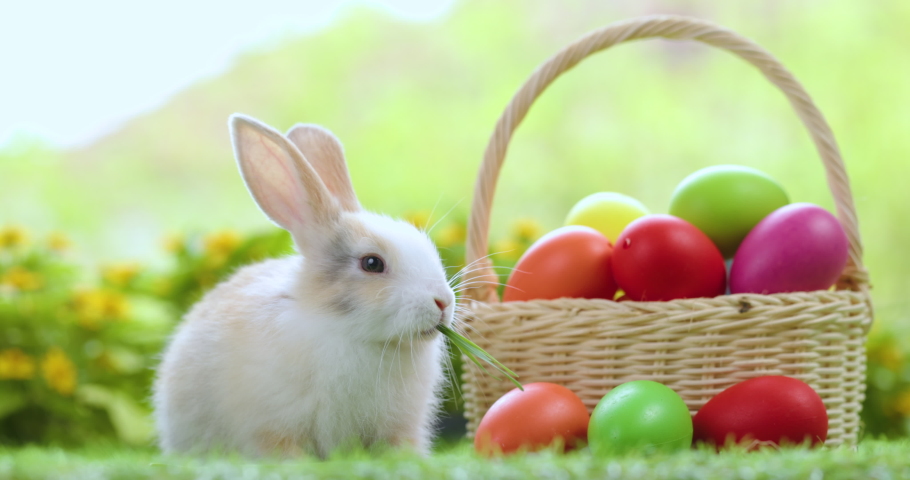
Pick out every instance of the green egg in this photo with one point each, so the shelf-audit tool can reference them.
(639, 416)
(726, 201)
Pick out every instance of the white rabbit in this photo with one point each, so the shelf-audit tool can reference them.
(301, 355)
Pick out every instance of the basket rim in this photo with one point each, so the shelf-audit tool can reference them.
(783, 297)
(723, 312)
(743, 301)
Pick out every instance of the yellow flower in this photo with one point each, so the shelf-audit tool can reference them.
(890, 357)
(206, 279)
(21, 279)
(92, 307)
(214, 262)
(418, 219)
(13, 236)
(115, 306)
(526, 229)
(162, 287)
(58, 242)
(59, 371)
(16, 365)
(902, 403)
(174, 243)
(106, 362)
(451, 234)
(508, 249)
(221, 244)
(120, 274)
(89, 308)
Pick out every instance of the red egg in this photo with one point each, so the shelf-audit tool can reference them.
(572, 261)
(771, 410)
(533, 419)
(662, 257)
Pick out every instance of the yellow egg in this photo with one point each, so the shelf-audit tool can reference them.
(606, 212)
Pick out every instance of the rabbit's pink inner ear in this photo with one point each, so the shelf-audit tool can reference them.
(274, 191)
(286, 189)
(326, 155)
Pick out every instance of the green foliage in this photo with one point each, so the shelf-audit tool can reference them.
(886, 410)
(198, 263)
(78, 348)
(872, 459)
(75, 355)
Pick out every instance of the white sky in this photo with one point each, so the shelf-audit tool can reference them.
(71, 71)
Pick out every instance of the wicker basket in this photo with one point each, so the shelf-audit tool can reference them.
(697, 347)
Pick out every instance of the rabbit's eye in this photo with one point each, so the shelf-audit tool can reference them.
(372, 264)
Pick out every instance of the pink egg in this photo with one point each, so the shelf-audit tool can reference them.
(797, 248)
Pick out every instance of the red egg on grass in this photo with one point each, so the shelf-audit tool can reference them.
(572, 261)
(532, 420)
(662, 257)
(771, 410)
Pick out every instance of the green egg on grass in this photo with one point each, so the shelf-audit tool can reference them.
(639, 416)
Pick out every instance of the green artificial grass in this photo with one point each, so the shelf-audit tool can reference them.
(873, 459)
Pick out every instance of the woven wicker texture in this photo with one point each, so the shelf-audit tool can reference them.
(697, 347)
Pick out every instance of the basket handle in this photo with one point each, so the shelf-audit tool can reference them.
(854, 276)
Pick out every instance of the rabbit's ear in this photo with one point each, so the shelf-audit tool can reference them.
(283, 183)
(324, 152)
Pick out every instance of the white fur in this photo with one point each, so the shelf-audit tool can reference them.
(278, 360)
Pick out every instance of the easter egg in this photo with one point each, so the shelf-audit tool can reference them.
(639, 415)
(797, 248)
(726, 202)
(533, 419)
(765, 410)
(660, 257)
(606, 212)
(572, 261)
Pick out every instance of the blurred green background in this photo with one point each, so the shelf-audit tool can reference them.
(103, 246)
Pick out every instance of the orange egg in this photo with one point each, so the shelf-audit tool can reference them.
(572, 261)
(533, 419)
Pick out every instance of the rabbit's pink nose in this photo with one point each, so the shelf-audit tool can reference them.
(441, 304)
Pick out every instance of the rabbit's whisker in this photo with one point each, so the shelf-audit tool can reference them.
(465, 273)
(467, 277)
(444, 216)
(450, 368)
(474, 266)
(473, 279)
(461, 324)
(381, 355)
(411, 350)
(475, 262)
(496, 270)
(430, 216)
(466, 285)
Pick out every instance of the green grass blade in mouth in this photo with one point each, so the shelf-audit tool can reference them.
(475, 354)
(480, 352)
